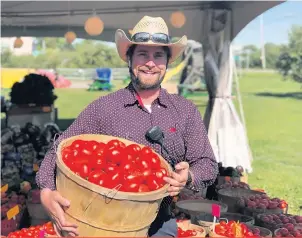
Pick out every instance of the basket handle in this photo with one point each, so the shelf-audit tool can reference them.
(113, 192)
(106, 196)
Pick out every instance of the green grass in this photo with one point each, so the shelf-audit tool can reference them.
(274, 130)
(273, 123)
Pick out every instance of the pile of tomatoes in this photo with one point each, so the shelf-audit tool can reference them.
(114, 165)
(235, 229)
(34, 231)
(186, 233)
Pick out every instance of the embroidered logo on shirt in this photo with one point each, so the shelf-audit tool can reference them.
(173, 129)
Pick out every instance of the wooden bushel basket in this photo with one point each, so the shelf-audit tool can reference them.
(103, 212)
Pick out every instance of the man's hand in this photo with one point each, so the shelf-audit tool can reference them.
(179, 178)
(55, 205)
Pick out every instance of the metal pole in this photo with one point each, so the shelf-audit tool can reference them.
(262, 42)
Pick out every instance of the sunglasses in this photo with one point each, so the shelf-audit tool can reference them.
(156, 37)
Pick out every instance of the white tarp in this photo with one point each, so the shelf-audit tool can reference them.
(226, 131)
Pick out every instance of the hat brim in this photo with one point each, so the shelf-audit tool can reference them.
(123, 43)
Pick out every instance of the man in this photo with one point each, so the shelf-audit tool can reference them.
(130, 112)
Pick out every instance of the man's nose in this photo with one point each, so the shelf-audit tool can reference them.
(150, 63)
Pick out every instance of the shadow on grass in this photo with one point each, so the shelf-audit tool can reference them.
(294, 95)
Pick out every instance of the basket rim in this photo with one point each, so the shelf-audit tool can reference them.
(119, 195)
(296, 226)
(237, 189)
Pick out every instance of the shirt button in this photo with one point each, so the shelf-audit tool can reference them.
(158, 106)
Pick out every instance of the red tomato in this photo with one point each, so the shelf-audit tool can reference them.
(143, 163)
(77, 144)
(66, 152)
(128, 166)
(143, 188)
(180, 232)
(86, 152)
(93, 145)
(164, 171)
(26, 233)
(84, 170)
(146, 173)
(14, 235)
(100, 150)
(95, 176)
(111, 168)
(188, 233)
(115, 144)
(153, 160)
(133, 150)
(114, 179)
(159, 176)
(220, 230)
(194, 233)
(145, 151)
(115, 155)
(130, 187)
(133, 176)
(244, 228)
(129, 158)
(97, 162)
(103, 180)
(152, 183)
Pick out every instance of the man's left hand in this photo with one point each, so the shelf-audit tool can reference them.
(178, 178)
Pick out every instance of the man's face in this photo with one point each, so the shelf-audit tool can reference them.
(149, 64)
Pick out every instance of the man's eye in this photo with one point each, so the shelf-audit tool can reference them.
(159, 56)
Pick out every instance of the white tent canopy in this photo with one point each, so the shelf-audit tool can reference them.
(214, 24)
(51, 18)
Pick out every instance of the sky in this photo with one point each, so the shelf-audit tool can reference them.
(277, 22)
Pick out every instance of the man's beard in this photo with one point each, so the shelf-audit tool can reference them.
(139, 84)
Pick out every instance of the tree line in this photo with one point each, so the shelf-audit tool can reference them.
(56, 53)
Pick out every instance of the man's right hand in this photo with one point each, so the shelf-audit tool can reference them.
(55, 205)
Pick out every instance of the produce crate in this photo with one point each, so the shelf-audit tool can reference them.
(276, 221)
(263, 232)
(231, 197)
(200, 208)
(207, 222)
(38, 115)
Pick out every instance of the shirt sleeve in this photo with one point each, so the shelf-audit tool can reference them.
(199, 153)
(86, 123)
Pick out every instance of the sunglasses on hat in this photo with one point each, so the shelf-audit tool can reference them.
(156, 37)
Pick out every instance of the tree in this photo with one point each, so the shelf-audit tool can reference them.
(290, 63)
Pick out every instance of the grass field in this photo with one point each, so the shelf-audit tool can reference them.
(273, 112)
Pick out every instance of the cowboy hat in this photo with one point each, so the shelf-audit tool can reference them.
(149, 25)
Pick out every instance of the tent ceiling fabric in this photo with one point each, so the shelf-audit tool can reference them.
(51, 18)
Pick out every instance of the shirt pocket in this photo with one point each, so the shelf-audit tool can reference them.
(175, 145)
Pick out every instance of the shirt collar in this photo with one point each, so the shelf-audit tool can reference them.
(131, 96)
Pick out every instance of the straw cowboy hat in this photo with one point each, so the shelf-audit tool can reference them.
(151, 31)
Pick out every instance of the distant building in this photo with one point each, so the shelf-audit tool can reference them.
(26, 48)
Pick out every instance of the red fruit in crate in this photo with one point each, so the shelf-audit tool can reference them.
(289, 226)
(296, 233)
(272, 205)
(262, 206)
(256, 231)
(285, 220)
(265, 219)
(252, 198)
(251, 204)
(284, 231)
(298, 219)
